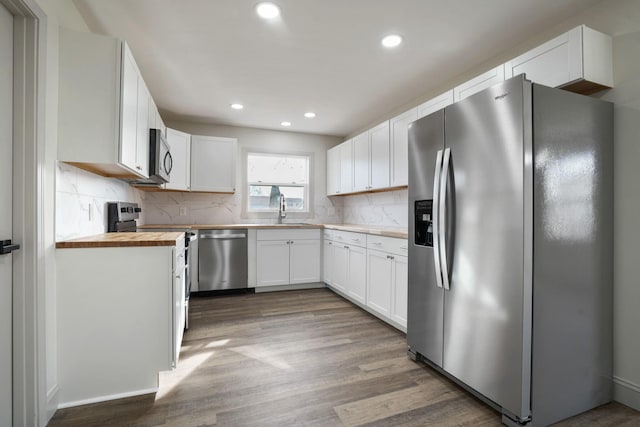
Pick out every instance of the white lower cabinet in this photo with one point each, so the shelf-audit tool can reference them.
(373, 275)
(288, 257)
(273, 263)
(117, 327)
(379, 279)
(357, 275)
(400, 287)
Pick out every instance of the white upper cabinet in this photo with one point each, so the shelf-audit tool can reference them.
(371, 159)
(101, 99)
(479, 83)
(346, 167)
(379, 156)
(142, 127)
(213, 164)
(361, 162)
(333, 171)
(180, 144)
(579, 60)
(399, 150)
(435, 104)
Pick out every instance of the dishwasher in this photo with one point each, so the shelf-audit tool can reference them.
(222, 259)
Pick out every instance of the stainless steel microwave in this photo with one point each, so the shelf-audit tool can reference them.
(160, 160)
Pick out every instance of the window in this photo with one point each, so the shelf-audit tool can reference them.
(270, 175)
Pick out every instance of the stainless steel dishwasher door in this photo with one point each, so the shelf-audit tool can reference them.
(222, 259)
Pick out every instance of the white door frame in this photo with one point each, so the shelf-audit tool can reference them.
(29, 369)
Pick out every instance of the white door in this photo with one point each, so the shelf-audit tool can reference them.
(129, 130)
(273, 263)
(180, 144)
(357, 276)
(327, 254)
(340, 264)
(379, 156)
(305, 261)
(361, 162)
(400, 289)
(379, 279)
(6, 174)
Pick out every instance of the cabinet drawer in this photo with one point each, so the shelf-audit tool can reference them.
(350, 238)
(328, 234)
(289, 234)
(388, 244)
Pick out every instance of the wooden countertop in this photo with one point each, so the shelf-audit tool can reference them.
(226, 226)
(397, 232)
(110, 240)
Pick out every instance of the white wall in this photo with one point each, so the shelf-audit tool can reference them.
(59, 12)
(203, 208)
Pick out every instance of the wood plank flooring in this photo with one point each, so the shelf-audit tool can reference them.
(300, 358)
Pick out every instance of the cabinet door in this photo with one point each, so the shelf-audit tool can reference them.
(379, 156)
(180, 144)
(327, 254)
(340, 264)
(435, 104)
(213, 164)
(399, 173)
(379, 282)
(357, 277)
(304, 261)
(333, 171)
(400, 290)
(129, 118)
(142, 129)
(346, 167)
(361, 162)
(273, 263)
(179, 290)
(483, 81)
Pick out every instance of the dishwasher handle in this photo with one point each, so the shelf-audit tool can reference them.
(222, 236)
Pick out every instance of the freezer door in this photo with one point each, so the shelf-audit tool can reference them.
(487, 308)
(425, 305)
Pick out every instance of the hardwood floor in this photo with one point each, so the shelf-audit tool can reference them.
(300, 358)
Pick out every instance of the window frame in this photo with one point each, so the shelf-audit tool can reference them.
(269, 213)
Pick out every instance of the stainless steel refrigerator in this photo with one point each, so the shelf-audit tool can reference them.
(510, 261)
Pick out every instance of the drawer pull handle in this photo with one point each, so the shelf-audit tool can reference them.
(377, 243)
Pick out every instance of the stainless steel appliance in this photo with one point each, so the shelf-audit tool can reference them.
(122, 216)
(222, 259)
(160, 160)
(510, 266)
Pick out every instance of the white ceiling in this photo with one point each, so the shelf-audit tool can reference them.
(199, 56)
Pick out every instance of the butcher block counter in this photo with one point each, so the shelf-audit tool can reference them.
(112, 240)
(398, 232)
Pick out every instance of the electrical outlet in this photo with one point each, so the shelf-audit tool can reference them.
(183, 211)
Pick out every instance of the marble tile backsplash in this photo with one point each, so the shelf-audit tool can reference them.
(388, 209)
(207, 208)
(81, 199)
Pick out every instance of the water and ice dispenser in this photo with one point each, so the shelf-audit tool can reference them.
(423, 215)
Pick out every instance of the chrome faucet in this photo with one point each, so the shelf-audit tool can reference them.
(281, 212)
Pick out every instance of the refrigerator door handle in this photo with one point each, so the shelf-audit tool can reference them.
(442, 205)
(436, 220)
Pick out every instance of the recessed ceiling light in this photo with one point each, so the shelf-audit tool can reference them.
(310, 115)
(391, 40)
(267, 10)
(286, 124)
(237, 106)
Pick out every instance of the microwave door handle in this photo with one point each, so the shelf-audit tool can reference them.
(442, 220)
(168, 157)
(436, 220)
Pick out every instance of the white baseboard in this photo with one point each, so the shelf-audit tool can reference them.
(106, 398)
(626, 393)
(289, 287)
(52, 401)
